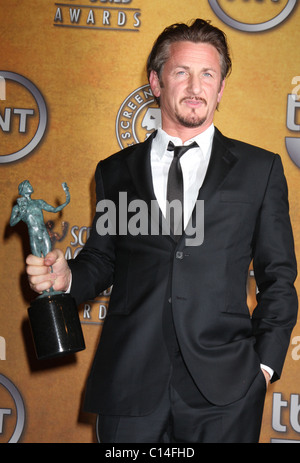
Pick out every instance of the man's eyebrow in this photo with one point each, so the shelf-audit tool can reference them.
(204, 69)
(209, 69)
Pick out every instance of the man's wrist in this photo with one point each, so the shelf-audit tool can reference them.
(267, 369)
(70, 284)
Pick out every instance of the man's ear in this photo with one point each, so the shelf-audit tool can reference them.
(154, 83)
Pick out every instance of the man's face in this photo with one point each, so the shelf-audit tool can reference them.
(190, 87)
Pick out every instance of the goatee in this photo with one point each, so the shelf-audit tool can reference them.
(190, 121)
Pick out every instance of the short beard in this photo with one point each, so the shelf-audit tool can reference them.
(190, 121)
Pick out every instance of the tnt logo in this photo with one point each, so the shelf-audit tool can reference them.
(293, 121)
(2, 348)
(12, 412)
(252, 15)
(293, 106)
(23, 117)
(2, 88)
(285, 418)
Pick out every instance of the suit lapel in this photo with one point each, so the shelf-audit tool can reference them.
(139, 165)
(220, 164)
(140, 170)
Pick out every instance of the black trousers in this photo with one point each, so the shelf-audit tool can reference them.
(192, 420)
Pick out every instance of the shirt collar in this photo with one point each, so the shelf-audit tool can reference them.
(204, 140)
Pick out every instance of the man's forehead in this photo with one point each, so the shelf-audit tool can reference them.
(196, 52)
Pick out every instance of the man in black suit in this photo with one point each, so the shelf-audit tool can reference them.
(180, 359)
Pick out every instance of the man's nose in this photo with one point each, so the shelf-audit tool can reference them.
(195, 85)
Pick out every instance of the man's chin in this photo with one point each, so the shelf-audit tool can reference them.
(191, 121)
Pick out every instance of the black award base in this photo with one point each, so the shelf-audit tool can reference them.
(55, 326)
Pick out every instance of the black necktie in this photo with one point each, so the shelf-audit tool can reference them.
(175, 185)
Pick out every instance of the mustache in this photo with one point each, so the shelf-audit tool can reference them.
(196, 98)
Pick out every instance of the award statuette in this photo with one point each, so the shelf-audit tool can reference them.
(53, 315)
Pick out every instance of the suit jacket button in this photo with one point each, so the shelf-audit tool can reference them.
(179, 255)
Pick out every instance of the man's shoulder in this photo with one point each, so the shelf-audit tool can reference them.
(124, 152)
(244, 150)
(121, 158)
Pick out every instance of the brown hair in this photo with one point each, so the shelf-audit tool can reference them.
(199, 31)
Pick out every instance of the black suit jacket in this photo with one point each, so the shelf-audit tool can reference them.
(245, 217)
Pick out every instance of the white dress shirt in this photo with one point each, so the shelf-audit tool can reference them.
(193, 165)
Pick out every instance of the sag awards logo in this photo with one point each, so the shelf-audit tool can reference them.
(12, 412)
(253, 15)
(137, 117)
(23, 116)
(113, 15)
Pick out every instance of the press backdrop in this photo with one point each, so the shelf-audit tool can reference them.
(73, 90)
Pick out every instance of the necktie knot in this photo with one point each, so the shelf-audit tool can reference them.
(180, 150)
